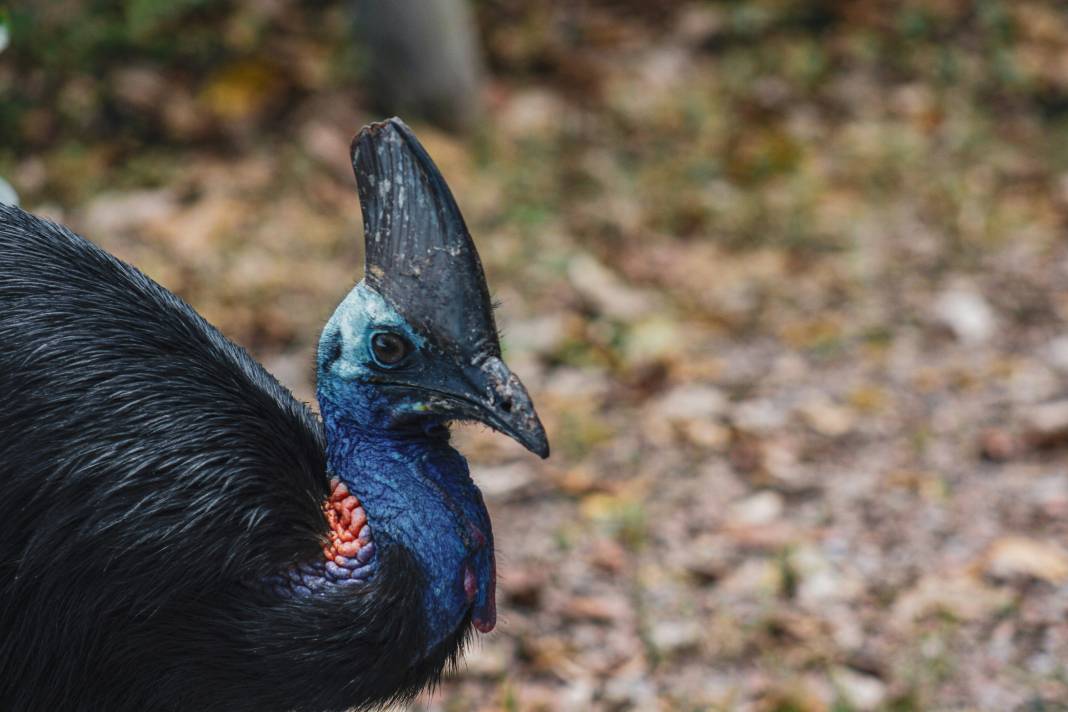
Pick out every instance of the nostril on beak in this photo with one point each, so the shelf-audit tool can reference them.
(506, 405)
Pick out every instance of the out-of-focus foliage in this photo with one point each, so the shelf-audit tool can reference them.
(787, 279)
(173, 70)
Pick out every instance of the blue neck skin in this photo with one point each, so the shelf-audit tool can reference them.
(418, 492)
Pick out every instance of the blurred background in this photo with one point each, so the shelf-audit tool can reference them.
(787, 280)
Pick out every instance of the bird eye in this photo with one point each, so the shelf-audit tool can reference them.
(389, 349)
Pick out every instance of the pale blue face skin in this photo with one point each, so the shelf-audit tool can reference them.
(393, 453)
(361, 314)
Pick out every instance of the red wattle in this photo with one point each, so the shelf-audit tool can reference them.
(484, 616)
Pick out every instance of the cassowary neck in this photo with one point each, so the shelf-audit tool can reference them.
(418, 494)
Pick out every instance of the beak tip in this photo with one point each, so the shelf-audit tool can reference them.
(538, 443)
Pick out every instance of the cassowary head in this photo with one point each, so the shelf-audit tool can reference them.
(420, 325)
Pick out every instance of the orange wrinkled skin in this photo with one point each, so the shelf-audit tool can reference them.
(346, 518)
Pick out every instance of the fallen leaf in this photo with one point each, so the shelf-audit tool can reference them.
(1015, 556)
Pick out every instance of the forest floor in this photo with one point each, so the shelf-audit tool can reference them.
(792, 309)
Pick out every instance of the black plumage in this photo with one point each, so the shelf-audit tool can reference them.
(152, 474)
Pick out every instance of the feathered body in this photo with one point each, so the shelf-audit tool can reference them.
(156, 485)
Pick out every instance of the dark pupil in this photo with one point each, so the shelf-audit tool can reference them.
(389, 348)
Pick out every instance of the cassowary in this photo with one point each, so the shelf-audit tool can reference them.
(178, 533)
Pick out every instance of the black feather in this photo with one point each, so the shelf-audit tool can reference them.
(152, 474)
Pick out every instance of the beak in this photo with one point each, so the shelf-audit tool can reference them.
(506, 406)
(488, 392)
